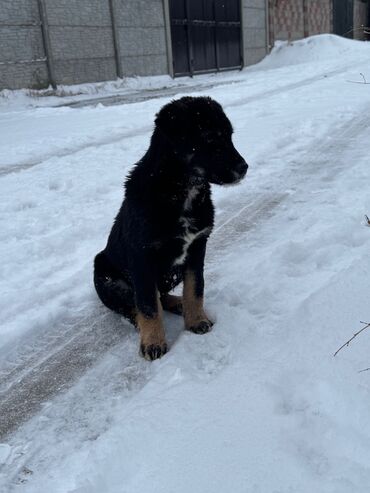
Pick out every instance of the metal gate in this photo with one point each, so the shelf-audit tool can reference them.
(206, 36)
(343, 18)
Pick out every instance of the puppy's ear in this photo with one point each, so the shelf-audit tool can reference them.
(171, 120)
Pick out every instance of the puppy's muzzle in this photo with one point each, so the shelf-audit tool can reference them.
(240, 170)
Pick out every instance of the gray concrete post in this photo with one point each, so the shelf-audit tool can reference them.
(116, 44)
(47, 44)
(167, 23)
(268, 40)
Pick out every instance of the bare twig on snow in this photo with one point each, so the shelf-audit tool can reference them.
(364, 82)
(367, 325)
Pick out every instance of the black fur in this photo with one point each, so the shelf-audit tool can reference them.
(190, 148)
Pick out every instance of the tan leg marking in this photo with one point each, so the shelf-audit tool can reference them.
(172, 303)
(195, 317)
(152, 337)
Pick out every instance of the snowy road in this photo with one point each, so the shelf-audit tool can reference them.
(286, 275)
(53, 360)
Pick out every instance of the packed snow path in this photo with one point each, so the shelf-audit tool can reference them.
(286, 282)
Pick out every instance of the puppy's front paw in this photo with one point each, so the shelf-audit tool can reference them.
(153, 351)
(201, 327)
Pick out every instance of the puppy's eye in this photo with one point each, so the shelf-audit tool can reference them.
(209, 138)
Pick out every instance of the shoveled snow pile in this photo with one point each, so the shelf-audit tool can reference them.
(317, 49)
(259, 404)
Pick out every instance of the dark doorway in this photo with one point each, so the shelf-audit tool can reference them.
(343, 18)
(206, 36)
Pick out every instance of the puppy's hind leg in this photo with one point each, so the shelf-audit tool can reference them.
(113, 290)
(172, 303)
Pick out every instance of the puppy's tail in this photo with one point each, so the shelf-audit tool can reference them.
(113, 289)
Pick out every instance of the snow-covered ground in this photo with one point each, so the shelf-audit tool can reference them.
(259, 405)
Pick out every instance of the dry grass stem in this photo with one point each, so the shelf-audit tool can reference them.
(366, 324)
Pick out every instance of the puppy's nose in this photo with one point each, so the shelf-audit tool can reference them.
(241, 167)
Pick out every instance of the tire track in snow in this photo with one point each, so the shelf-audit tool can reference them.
(16, 168)
(139, 131)
(31, 378)
(139, 97)
(34, 382)
(145, 95)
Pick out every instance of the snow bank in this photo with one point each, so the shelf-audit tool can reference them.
(68, 93)
(319, 48)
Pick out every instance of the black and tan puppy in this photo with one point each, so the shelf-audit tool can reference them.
(159, 236)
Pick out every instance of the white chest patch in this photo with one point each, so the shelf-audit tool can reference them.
(189, 235)
(193, 192)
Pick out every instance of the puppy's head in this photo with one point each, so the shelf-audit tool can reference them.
(200, 134)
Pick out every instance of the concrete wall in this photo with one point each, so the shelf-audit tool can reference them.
(22, 56)
(82, 43)
(142, 36)
(81, 40)
(254, 30)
